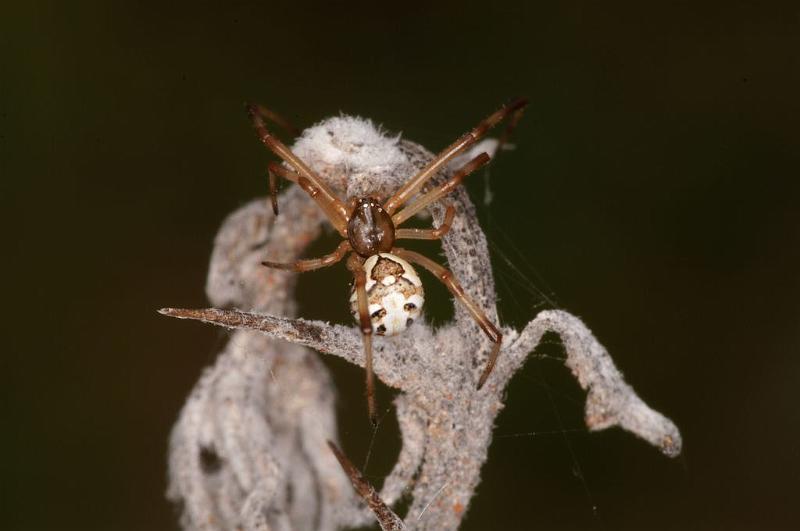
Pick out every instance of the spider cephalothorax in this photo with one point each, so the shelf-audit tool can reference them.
(370, 229)
(387, 294)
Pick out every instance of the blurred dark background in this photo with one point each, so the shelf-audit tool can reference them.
(653, 192)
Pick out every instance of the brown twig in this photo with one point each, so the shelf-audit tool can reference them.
(386, 517)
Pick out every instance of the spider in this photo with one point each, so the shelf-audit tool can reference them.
(387, 294)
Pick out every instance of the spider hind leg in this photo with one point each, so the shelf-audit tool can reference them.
(446, 277)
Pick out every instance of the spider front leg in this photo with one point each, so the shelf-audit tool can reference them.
(277, 118)
(446, 277)
(267, 114)
(440, 191)
(301, 266)
(333, 207)
(356, 266)
(276, 170)
(428, 234)
(432, 168)
(509, 130)
(273, 187)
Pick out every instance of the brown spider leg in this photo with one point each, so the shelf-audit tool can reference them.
(268, 114)
(273, 189)
(276, 170)
(335, 210)
(278, 119)
(415, 183)
(440, 191)
(428, 234)
(356, 266)
(509, 130)
(301, 266)
(446, 277)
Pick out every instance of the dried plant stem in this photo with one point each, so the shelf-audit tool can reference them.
(264, 411)
(386, 517)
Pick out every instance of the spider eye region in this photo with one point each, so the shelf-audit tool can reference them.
(394, 294)
(370, 229)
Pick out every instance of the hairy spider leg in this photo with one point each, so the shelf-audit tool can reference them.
(428, 234)
(440, 191)
(301, 266)
(356, 266)
(447, 278)
(332, 206)
(413, 185)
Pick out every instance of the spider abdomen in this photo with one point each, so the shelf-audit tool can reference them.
(394, 294)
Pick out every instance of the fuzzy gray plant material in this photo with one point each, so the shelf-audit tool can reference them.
(250, 449)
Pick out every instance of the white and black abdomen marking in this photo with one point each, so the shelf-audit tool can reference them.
(394, 294)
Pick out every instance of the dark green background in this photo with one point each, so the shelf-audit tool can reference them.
(654, 189)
